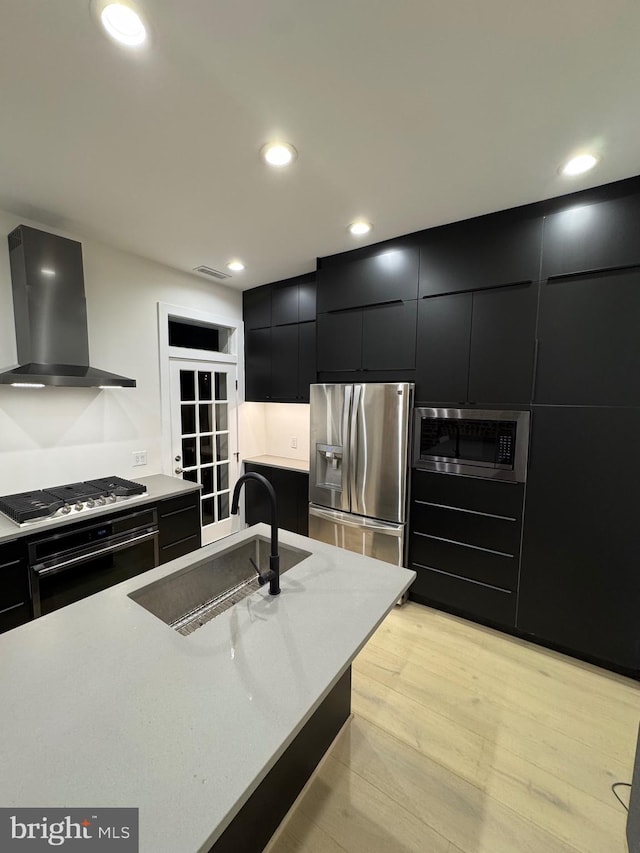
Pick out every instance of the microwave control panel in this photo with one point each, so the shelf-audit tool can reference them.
(505, 449)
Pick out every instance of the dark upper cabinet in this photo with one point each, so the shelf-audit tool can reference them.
(340, 341)
(256, 307)
(589, 237)
(488, 252)
(477, 347)
(293, 300)
(388, 275)
(588, 340)
(579, 581)
(257, 346)
(284, 304)
(381, 337)
(389, 336)
(307, 298)
(284, 362)
(307, 373)
(503, 344)
(442, 363)
(280, 357)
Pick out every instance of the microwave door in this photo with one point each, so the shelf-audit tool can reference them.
(378, 450)
(329, 450)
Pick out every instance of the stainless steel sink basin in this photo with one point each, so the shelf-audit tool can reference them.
(191, 597)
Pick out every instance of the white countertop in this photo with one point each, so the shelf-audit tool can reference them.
(105, 705)
(159, 487)
(281, 462)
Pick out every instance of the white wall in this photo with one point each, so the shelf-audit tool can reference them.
(267, 428)
(58, 435)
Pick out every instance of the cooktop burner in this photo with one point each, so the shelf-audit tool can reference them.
(61, 501)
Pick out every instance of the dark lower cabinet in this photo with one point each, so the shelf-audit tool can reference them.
(588, 330)
(465, 545)
(580, 577)
(15, 597)
(292, 496)
(179, 528)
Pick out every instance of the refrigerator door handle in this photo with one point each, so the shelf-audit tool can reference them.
(353, 446)
(347, 462)
(355, 521)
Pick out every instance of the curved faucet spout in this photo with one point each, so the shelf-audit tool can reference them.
(273, 575)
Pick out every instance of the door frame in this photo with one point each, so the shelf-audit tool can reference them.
(235, 355)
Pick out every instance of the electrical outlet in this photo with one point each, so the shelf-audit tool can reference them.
(294, 441)
(139, 457)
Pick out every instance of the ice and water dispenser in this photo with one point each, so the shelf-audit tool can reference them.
(329, 466)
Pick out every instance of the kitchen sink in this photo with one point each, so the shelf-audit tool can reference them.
(190, 597)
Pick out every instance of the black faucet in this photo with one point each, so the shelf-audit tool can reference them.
(273, 575)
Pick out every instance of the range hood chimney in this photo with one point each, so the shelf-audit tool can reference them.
(50, 312)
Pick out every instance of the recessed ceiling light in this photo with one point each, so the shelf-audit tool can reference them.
(124, 24)
(360, 227)
(278, 153)
(578, 165)
(236, 266)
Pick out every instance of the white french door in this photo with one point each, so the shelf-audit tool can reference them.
(204, 437)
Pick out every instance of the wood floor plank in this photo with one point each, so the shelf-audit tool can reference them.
(461, 811)
(362, 818)
(465, 740)
(590, 770)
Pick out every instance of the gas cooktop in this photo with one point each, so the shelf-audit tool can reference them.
(62, 501)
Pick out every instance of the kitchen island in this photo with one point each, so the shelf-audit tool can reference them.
(106, 705)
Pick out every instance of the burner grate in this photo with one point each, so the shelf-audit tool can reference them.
(29, 505)
(118, 486)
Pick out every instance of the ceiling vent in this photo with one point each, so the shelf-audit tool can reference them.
(205, 270)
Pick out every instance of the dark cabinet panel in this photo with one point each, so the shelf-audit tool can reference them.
(15, 596)
(256, 307)
(471, 493)
(307, 299)
(472, 599)
(455, 558)
(389, 336)
(257, 344)
(589, 237)
(503, 344)
(442, 362)
(588, 333)
(479, 530)
(284, 362)
(340, 341)
(488, 252)
(386, 276)
(284, 304)
(292, 496)
(307, 374)
(179, 528)
(580, 584)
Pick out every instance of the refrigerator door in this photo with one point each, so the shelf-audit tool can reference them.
(379, 445)
(329, 449)
(367, 536)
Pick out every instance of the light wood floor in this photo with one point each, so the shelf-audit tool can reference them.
(464, 739)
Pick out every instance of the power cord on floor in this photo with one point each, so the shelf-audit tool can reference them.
(617, 796)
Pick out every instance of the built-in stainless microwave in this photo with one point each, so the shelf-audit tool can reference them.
(472, 442)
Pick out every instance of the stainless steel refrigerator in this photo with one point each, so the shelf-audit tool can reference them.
(359, 467)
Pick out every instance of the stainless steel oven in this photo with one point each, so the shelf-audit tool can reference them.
(472, 442)
(86, 558)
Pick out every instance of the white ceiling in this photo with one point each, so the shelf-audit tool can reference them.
(408, 112)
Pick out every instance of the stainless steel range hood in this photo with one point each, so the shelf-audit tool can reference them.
(51, 314)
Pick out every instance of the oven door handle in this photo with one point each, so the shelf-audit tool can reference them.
(42, 570)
